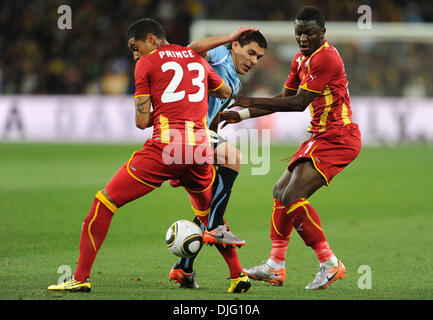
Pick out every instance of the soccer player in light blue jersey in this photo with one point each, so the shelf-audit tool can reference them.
(229, 55)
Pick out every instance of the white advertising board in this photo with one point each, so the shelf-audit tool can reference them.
(110, 119)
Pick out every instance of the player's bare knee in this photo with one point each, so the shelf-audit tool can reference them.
(288, 197)
(228, 156)
(235, 167)
(281, 186)
(234, 159)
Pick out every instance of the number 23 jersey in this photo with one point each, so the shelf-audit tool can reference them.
(177, 81)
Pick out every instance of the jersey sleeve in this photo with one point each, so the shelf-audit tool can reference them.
(142, 87)
(292, 81)
(218, 55)
(214, 80)
(322, 68)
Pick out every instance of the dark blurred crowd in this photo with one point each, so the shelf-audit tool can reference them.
(334, 10)
(393, 69)
(91, 57)
(37, 57)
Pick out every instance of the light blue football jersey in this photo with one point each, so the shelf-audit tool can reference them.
(221, 61)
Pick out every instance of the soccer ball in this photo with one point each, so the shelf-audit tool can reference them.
(184, 238)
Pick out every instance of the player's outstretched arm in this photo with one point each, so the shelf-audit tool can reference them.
(143, 118)
(202, 46)
(298, 102)
(230, 116)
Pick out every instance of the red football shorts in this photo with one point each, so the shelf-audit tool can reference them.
(330, 151)
(146, 171)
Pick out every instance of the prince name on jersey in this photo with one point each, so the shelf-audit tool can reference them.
(182, 91)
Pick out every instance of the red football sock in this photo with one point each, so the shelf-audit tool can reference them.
(281, 230)
(306, 221)
(323, 251)
(230, 255)
(278, 251)
(281, 226)
(93, 233)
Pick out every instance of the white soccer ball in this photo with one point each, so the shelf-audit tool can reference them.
(184, 238)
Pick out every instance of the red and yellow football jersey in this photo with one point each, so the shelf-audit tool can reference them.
(177, 81)
(323, 72)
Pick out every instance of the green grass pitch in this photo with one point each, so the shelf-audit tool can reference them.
(376, 213)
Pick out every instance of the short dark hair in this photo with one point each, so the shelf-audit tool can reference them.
(255, 36)
(312, 13)
(141, 28)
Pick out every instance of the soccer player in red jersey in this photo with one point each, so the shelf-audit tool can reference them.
(318, 81)
(175, 81)
(229, 55)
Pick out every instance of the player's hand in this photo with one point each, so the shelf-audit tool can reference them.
(241, 101)
(241, 33)
(229, 117)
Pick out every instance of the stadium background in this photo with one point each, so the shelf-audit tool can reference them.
(74, 86)
(388, 74)
(38, 58)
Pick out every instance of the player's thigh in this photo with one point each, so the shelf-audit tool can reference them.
(227, 155)
(123, 188)
(198, 177)
(281, 185)
(304, 181)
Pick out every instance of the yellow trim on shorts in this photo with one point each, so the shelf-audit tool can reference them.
(200, 191)
(315, 166)
(138, 179)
